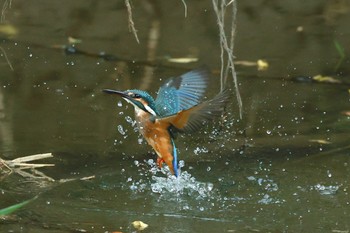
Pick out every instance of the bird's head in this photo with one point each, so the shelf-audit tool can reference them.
(140, 99)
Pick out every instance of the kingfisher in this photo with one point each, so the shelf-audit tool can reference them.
(178, 108)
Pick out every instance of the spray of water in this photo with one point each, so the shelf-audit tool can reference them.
(161, 181)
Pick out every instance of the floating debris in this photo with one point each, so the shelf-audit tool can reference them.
(139, 225)
(320, 141)
(260, 64)
(72, 40)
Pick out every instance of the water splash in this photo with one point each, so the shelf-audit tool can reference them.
(163, 182)
(185, 183)
(326, 190)
(269, 190)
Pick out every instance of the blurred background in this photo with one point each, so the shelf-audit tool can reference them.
(283, 167)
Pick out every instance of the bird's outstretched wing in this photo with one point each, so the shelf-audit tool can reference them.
(182, 92)
(191, 119)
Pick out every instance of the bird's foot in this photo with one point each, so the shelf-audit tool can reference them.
(160, 162)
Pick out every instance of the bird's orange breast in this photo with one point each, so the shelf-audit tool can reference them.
(157, 135)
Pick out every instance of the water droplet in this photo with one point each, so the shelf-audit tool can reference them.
(121, 130)
(329, 174)
(128, 119)
(208, 169)
(181, 163)
(120, 103)
(268, 132)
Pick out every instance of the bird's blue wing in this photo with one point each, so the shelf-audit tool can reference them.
(182, 92)
(190, 120)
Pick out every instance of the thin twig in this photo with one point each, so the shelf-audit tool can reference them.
(73, 179)
(234, 74)
(6, 58)
(227, 46)
(185, 6)
(131, 21)
(7, 4)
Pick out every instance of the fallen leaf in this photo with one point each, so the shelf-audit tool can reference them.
(321, 141)
(262, 64)
(325, 79)
(183, 59)
(72, 40)
(139, 225)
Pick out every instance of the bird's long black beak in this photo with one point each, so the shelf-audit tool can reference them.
(120, 93)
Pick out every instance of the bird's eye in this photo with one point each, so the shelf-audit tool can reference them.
(136, 96)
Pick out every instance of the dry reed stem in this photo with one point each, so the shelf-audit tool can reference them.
(32, 158)
(18, 166)
(131, 21)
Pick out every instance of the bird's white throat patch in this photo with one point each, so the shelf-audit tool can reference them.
(150, 110)
(139, 111)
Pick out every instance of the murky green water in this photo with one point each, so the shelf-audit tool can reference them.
(291, 176)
